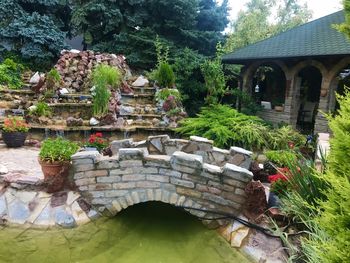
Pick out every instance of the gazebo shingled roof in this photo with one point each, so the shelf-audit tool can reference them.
(317, 38)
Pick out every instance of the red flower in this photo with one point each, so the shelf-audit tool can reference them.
(291, 145)
(98, 134)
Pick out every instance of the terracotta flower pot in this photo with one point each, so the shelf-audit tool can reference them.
(55, 174)
(14, 139)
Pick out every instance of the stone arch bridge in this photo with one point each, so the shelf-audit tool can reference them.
(187, 173)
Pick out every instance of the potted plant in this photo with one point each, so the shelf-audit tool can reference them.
(55, 159)
(96, 142)
(14, 132)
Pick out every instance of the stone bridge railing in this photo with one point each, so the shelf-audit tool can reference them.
(191, 174)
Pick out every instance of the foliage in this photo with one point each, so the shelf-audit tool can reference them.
(53, 78)
(130, 26)
(57, 150)
(41, 109)
(15, 124)
(165, 76)
(214, 78)
(189, 79)
(163, 94)
(282, 157)
(33, 29)
(249, 105)
(253, 24)
(345, 27)
(333, 222)
(96, 140)
(103, 77)
(226, 127)
(283, 137)
(10, 74)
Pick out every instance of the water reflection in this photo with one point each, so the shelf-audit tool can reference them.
(147, 233)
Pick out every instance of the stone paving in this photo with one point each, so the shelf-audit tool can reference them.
(23, 203)
(21, 164)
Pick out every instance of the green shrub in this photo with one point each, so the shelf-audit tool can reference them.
(226, 127)
(282, 158)
(103, 78)
(163, 94)
(331, 239)
(41, 109)
(214, 77)
(165, 75)
(53, 78)
(281, 137)
(57, 150)
(10, 74)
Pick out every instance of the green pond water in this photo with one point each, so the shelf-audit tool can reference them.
(147, 233)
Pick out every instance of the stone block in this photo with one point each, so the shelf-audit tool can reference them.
(208, 189)
(169, 172)
(129, 200)
(129, 185)
(121, 171)
(180, 182)
(97, 194)
(79, 175)
(238, 150)
(169, 187)
(85, 181)
(234, 183)
(108, 164)
(194, 178)
(188, 192)
(173, 198)
(132, 154)
(83, 167)
(109, 179)
(116, 145)
(158, 195)
(165, 197)
(162, 161)
(215, 198)
(184, 169)
(157, 143)
(181, 201)
(233, 197)
(146, 170)
(82, 161)
(158, 178)
(147, 184)
(150, 194)
(100, 186)
(92, 155)
(237, 173)
(116, 205)
(135, 197)
(188, 160)
(96, 173)
(115, 193)
(130, 163)
(133, 177)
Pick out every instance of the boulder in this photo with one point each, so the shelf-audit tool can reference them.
(72, 122)
(93, 122)
(35, 78)
(141, 81)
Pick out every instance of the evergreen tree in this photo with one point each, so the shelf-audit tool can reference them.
(34, 30)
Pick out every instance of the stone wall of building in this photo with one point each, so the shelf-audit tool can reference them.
(188, 173)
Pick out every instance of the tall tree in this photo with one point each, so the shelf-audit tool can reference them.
(130, 26)
(345, 27)
(254, 24)
(35, 30)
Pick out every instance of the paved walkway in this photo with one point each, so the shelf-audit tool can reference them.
(21, 163)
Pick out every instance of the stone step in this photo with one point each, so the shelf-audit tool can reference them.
(137, 99)
(144, 90)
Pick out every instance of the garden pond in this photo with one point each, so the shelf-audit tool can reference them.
(150, 232)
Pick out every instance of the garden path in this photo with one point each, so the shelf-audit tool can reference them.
(21, 163)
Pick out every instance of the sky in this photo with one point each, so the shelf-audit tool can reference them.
(319, 7)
